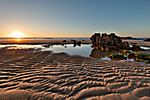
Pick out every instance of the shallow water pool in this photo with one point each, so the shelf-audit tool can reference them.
(83, 50)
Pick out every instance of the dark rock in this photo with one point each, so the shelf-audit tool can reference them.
(126, 45)
(79, 43)
(96, 53)
(64, 41)
(75, 43)
(95, 39)
(47, 45)
(106, 42)
(129, 37)
(147, 40)
(132, 56)
(136, 48)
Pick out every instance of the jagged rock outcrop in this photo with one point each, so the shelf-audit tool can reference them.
(106, 42)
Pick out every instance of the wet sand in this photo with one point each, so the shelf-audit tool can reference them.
(35, 75)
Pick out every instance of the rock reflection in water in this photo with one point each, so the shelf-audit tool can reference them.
(97, 53)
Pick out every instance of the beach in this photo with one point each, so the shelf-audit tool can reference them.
(75, 50)
(28, 74)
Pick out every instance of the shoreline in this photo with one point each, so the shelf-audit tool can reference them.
(51, 41)
(61, 41)
(11, 49)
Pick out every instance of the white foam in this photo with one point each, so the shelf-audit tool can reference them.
(105, 59)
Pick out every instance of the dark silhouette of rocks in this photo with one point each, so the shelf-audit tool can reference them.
(132, 56)
(64, 41)
(47, 45)
(129, 37)
(95, 39)
(135, 48)
(147, 40)
(106, 42)
(79, 43)
(75, 43)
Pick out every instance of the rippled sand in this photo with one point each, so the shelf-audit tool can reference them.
(30, 75)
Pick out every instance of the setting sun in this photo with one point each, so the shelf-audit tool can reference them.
(17, 34)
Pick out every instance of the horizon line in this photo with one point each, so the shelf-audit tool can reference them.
(57, 37)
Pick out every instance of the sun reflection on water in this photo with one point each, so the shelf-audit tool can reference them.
(18, 40)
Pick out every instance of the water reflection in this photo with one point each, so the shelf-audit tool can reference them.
(97, 53)
(71, 49)
(18, 40)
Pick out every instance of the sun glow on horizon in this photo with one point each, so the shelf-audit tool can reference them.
(17, 34)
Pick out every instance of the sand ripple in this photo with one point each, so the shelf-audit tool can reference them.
(44, 75)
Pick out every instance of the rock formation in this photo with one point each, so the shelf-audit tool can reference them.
(75, 43)
(106, 42)
(95, 39)
(135, 47)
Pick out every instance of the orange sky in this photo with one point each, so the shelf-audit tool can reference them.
(46, 34)
(8, 34)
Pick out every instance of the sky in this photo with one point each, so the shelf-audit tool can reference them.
(75, 18)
